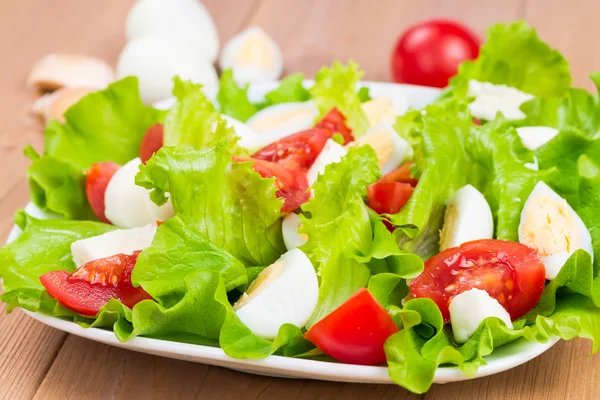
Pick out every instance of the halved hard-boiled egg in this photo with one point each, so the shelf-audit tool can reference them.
(128, 205)
(470, 308)
(536, 136)
(384, 110)
(155, 59)
(491, 99)
(281, 120)
(468, 217)
(121, 241)
(289, 229)
(390, 148)
(553, 228)
(184, 21)
(253, 56)
(286, 292)
(332, 153)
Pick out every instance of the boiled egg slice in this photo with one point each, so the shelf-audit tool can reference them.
(470, 308)
(155, 59)
(390, 148)
(281, 120)
(253, 56)
(285, 292)
(380, 110)
(121, 241)
(468, 217)
(184, 21)
(553, 228)
(536, 136)
(289, 229)
(491, 99)
(128, 205)
(332, 153)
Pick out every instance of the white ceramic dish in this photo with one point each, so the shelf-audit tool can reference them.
(502, 359)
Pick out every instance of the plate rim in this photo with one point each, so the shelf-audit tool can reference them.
(275, 365)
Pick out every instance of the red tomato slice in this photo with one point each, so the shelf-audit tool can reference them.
(97, 178)
(355, 331)
(292, 184)
(388, 197)
(152, 142)
(92, 285)
(297, 151)
(335, 122)
(510, 272)
(429, 53)
(401, 174)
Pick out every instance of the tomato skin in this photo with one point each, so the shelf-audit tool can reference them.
(97, 178)
(510, 272)
(388, 197)
(298, 151)
(292, 184)
(355, 331)
(152, 142)
(335, 122)
(430, 52)
(401, 174)
(92, 285)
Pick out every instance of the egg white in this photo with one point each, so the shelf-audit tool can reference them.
(332, 153)
(491, 99)
(289, 229)
(534, 137)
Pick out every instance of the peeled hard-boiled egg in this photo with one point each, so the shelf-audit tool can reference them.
(470, 308)
(184, 21)
(390, 148)
(491, 99)
(553, 228)
(382, 110)
(281, 120)
(121, 241)
(128, 205)
(332, 152)
(468, 217)
(156, 59)
(285, 292)
(253, 56)
(536, 136)
(289, 229)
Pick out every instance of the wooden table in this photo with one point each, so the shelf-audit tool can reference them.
(39, 362)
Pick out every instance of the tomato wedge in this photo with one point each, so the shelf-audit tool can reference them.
(297, 151)
(335, 122)
(97, 178)
(510, 272)
(292, 184)
(401, 174)
(355, 331)
(152, 142)
(92, 285)
(388, 197)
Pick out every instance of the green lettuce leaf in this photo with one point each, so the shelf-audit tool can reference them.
(226, 202)
(233, 99)
(515, 56)
(290, 90)
(336, 87)
(44, 246)
(107, 125)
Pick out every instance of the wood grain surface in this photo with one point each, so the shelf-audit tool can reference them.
(42, 363)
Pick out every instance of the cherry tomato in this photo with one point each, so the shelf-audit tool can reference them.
(297, 151)
(291, 184)
(401, 174)
(430, 52)
(355, 331)
(97, 178)
(152, 142)
(335, 122)
(510, 272)
(388, 197)
(92, 285)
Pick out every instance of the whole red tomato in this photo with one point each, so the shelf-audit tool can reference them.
(430, 52)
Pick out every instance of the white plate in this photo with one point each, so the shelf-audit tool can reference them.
(502, 359)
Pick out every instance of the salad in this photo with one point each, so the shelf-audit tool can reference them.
(321, 222)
